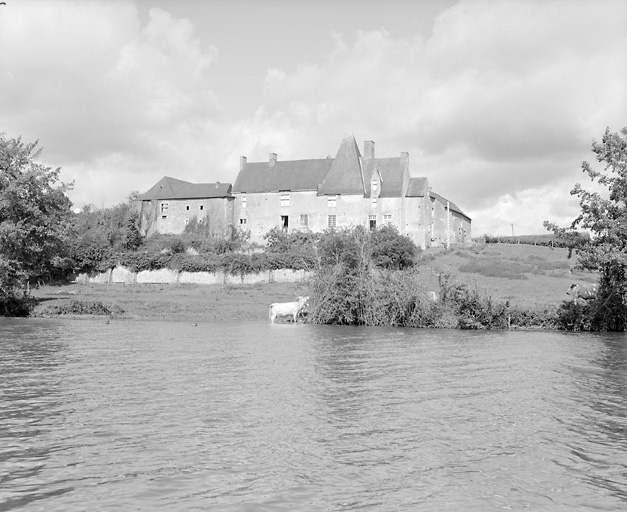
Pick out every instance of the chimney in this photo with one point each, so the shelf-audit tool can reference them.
(217, 184)
(242, 162)
(369, 150)
(272, 159)
(405, 161)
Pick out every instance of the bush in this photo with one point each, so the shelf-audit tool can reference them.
(91, 252)
(158, 243)
(140, 261)
(280, 241)
(472, 309)
(391, 250)
(78, 307)
(575, 316)
(19, 304)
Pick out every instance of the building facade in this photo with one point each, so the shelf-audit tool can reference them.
(348, 190)
(311, 195)
(170, 205)
(449, 225)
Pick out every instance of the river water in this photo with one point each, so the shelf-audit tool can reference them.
(253, 417)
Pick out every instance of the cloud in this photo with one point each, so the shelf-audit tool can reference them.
(106, 95)
(503, 98)
(497, 105)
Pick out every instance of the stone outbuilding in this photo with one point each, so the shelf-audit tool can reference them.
(172, 204)
(449, 224)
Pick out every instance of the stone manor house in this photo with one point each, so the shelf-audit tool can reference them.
(310, 195)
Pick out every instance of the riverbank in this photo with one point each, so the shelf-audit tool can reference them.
(193, 303)
(527, 276)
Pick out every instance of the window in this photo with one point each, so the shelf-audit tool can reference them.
(242, 221)
(373, 222)
(374, 185)
(331, 221)
(387, 220)
(285, 200)
(187, 207)
(202, 207)
(164, 209)
(331, 201)
(186, 222)
(200, 221)
(375, 201)
(243, 201)
(304, 221)
(284, 222)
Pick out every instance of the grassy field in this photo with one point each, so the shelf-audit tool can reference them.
(526, 275)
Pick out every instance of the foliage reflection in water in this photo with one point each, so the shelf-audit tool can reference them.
(252, 416)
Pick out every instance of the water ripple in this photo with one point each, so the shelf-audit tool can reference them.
(149, 416)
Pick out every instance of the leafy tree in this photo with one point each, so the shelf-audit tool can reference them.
(99, 233)
(392, 250)
(34, 217)
(604, 214)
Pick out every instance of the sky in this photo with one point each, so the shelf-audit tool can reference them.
(496, 102)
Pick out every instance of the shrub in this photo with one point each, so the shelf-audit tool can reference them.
(140, 261)
(280, 241)
(472, 309)
(163, 243)
(91, 251)
(78, 307)
(18, 304)
(575, 316)
(545, 317)
(391, 250)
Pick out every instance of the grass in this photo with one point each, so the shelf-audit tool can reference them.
(492, 270)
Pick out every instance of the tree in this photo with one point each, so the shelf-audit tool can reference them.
(34, 217)
(392, 250)
(604, 214)
(100, 233)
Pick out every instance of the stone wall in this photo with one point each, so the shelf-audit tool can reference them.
(263, 211)
(459, 226)
(123, 275)
(216, 211)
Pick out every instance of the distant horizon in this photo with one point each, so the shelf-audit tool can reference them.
(496, 102)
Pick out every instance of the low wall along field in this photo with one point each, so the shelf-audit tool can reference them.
(123, 275)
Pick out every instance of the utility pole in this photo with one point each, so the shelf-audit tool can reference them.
(448, 225)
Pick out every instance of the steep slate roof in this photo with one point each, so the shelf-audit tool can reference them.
(417, 187)
(345, 175)
(452, 206)
(391, 175)
(171, 188)
(291, 175)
